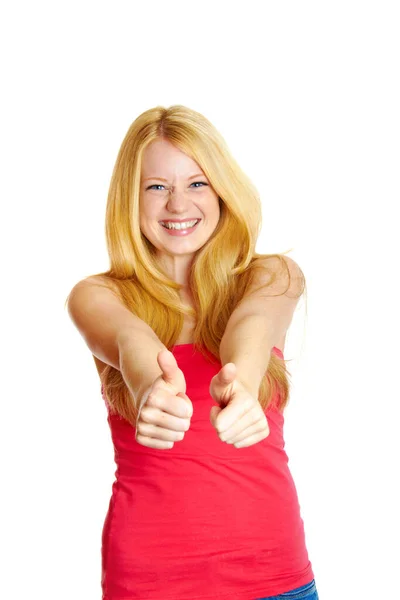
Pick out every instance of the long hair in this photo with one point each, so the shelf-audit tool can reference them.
(222, 270)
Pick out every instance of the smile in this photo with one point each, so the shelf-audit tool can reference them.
(180, 229)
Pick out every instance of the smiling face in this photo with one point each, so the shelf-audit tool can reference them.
(174, 188)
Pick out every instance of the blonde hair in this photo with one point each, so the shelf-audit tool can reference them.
(222, 269)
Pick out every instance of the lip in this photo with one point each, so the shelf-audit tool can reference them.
(180, 232)
(179, 220)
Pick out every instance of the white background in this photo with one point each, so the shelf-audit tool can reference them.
(306, 95)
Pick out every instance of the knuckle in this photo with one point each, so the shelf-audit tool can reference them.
(145, 414)
(152, 443)
(140, 429)
(153, 399)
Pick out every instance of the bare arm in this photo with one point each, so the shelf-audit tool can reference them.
(115, 335)
(247, 343)
(258, 323)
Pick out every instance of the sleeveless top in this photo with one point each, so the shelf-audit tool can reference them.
(203, 519)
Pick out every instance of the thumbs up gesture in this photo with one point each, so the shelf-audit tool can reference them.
(165, 410)
(240, 419)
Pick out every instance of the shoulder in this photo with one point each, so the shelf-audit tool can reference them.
(89, 291)
(96, 280)
(280, 273)
(100, 281)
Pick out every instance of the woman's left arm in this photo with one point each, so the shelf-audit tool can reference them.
(260, 320)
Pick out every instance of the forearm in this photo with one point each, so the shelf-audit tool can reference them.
(138, 351)
(248, 346)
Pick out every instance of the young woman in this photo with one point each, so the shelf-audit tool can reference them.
(187, 329)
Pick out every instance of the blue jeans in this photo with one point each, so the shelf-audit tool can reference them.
(304, 592)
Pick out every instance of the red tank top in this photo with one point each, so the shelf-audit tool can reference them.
(202, 520)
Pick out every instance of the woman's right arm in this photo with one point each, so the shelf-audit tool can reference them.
(115, 335)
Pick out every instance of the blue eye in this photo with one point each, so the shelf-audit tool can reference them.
(155, 185)
(158, 185)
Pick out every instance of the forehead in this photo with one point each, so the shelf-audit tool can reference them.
(161, 158)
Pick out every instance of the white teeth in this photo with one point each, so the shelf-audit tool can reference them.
(185, 225)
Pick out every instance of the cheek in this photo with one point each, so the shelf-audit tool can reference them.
(147, 218)
(217, 213)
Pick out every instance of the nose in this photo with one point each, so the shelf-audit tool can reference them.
(177, 201)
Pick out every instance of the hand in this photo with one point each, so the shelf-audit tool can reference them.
(241, 420)
(164, 410)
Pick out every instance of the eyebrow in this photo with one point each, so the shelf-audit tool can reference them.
(162, 178)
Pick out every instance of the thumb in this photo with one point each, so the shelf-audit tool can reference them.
(222, 379)
(227, 374)
(168, 365)
(171, 373)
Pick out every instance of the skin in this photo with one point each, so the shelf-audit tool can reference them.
(179, 197)
(239, 419)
